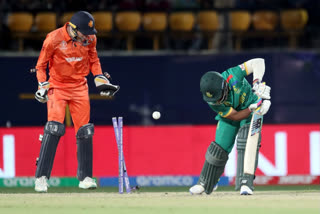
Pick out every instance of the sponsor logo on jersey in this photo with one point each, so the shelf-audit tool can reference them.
(236, 90)
(74, 59)
(242, 98)
(63, 45)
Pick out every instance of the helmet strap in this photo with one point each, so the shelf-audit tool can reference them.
(224, 92)
(73, 31)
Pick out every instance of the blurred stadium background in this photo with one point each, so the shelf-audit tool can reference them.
(157, 50)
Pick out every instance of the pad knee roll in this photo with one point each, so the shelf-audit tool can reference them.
(216, 159)
(84, 151)
(242, 137)
(52, 132)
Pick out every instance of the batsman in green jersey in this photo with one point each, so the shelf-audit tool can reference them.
(233, 99)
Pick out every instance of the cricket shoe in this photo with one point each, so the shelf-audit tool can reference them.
(215, 187)
(245, 190)
(197, 189)
(41, 184)
(88, 183)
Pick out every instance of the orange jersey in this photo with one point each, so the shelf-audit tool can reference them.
(69, 61)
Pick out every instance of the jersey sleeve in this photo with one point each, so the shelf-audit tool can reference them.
(95, 65)
(239, 72)
(222, 110)
(44, 57)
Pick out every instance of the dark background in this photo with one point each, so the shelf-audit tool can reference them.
(170, 84)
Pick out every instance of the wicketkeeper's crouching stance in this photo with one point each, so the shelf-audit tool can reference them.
(231, 96)
(71, 54)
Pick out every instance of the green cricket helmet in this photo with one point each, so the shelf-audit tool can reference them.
(214, 88)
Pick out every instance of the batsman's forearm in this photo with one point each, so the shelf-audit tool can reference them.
(239, 115)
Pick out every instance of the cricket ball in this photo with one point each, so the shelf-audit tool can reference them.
(156, 115)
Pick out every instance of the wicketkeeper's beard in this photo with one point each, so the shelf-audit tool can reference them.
(83, 39)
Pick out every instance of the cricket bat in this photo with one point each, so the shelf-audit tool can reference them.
(250, 153)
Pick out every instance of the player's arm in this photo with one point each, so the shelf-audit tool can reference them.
(46, 53)
(245, 113)
(257, 68)
(95, 66)
(230, 113)
(41, 69)
(238, 115)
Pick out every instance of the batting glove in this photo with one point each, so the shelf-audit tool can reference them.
(265, 106)
(42, 94)
(105, 87)
(261, 89)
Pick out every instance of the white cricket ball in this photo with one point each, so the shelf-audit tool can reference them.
(156, 115)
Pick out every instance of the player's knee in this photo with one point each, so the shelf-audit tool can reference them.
(85, 131)
(54, 128)
(216, 155)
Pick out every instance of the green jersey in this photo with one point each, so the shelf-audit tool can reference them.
(240, 94)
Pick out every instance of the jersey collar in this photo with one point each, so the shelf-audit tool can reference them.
(66, 36)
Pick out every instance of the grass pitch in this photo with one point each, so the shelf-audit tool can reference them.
(290, 200)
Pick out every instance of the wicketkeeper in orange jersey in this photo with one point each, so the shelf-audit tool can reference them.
(70, 53)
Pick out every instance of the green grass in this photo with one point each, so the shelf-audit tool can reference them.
(266, 200)
(156, 189)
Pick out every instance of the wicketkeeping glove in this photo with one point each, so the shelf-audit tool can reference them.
(264, 107)
(261, 89)
(105, 87)
(42, 94)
